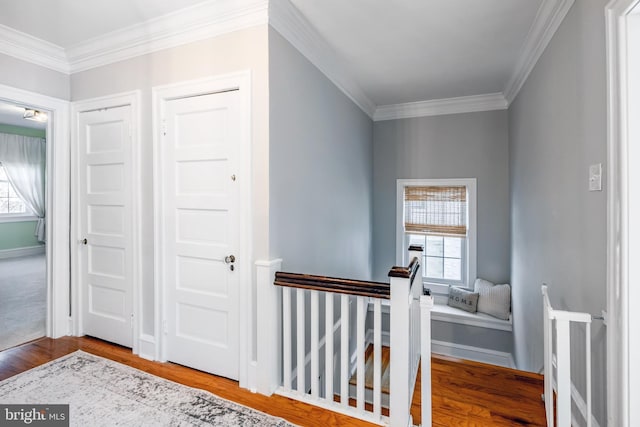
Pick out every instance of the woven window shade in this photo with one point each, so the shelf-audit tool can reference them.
(439, 210)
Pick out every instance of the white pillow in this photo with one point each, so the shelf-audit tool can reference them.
(494, 300)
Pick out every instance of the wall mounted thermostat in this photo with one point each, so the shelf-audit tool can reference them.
(595, 177)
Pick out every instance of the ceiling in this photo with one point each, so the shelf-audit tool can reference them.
(408, 50)
(12, 115)
(397, 52)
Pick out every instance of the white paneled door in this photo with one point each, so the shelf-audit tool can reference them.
(106, 239)
(199, 225)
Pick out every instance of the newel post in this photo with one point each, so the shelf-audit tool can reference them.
(268, 320)
(400, 324)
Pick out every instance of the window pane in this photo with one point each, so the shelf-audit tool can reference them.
(416, 239)
(4, 206)
(453, 247)
(435, 246)
(434, 267)
(452, 269)
(16, 206)
(4, 189)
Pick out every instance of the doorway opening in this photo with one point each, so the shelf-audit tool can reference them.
(23, 264)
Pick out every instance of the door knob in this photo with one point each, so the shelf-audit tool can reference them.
(84, 241)
(230, 259)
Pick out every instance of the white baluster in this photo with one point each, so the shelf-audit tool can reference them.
(300, 338)
(315, 324)
(377, 357)
(426, 304)
(361, 316)
(286, 339)
(344, 350)
(563, 364)
(328, 346)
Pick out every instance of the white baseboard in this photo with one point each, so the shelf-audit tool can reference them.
(19, 252)
(477, 354)
(147, 347)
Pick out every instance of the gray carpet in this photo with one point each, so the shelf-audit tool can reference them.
(23, 299)
(101, 392)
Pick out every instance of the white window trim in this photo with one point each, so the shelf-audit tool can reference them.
(17, 218)
(401, 250)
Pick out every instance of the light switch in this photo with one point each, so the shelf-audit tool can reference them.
(595, 177)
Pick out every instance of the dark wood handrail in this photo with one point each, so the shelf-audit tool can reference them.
(408, 272)
(333, 284)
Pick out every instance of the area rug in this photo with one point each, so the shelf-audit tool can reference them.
(102, 392)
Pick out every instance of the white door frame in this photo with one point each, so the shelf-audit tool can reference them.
(111, 101)
(57, 203)
(622, 378)
(235, 81)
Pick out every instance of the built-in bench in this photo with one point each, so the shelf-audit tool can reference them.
(444, 313)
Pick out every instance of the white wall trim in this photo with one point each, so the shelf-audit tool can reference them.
(32, 49)
(477, 354)
(548, 18)
(241, 81)
(437, 107)
(58, 171)
(19, 252)
(294, 27)
(132, 99)
(622, 386)
(147, 347)
(201, 21)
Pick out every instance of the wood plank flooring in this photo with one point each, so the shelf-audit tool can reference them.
(464, 393)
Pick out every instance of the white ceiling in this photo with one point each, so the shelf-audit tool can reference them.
(12, 115)
(395, 52)
(68, 22)
(408, 50)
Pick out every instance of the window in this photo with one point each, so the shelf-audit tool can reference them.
(10, 203)
(439, 215)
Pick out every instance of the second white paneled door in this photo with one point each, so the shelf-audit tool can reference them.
(199, 229)
(106, 231)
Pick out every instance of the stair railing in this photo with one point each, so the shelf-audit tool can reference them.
(556, 322)
(325, 332)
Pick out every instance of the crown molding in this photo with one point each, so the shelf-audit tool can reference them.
(201, 21)
(32, 49)
(437, 107)
(295, 28)
(549, 17)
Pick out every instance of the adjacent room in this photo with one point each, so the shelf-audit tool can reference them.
(23, 287)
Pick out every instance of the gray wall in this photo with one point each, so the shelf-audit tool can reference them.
(34, 78)
(557, 128)
(320, 157)
(471, 145)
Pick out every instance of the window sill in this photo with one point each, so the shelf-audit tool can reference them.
(17, 218)
(444, 313)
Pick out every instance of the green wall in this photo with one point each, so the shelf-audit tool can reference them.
(17, 235)
(17, 130)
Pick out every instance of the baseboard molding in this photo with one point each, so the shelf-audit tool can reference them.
(477, 354)
(147, 347)
(19, 252)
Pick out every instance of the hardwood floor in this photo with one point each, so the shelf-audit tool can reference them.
(464, 393)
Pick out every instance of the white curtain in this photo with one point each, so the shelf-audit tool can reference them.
(23, 159)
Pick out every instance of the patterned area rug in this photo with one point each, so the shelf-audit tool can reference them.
(102, 392)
